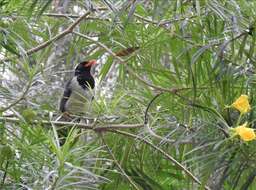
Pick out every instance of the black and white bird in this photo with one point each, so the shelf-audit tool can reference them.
(78, 92)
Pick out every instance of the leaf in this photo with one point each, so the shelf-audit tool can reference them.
(106, 67)
(3, 2)
(141, 178)
(29, 114)
(44, 7)
(6, 154)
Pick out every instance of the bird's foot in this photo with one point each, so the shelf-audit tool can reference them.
(67, 116)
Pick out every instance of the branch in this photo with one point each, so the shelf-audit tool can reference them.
(93, 126)
(96, 126)
(62, 34)
(103, 46)
(163, 22)
(226, 43)
(141, 19)
(57, 15)
(174, 161)
(58, 36)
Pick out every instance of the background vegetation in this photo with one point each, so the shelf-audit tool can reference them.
(160, 116)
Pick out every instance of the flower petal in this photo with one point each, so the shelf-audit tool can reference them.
(242, 104)
(245, 133)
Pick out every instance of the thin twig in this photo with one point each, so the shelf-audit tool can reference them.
(19, 99)
(103, 46)
(150, 103)
(174, 161)
(163, 22)
(146, 123)
(140, 18)
(117, 163)
(225, 44)
(57, 15)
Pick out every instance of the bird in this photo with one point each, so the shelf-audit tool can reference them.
(78, 91)
(77, 96)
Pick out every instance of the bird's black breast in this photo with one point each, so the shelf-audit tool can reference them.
(86, 82)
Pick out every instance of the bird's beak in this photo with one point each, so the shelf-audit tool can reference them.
(91, 63)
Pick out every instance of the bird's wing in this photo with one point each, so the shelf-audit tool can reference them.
(65, 97)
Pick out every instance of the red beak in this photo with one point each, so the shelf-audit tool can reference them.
(90, 63)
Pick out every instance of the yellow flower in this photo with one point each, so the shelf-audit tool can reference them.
(242, 104)
(245, 133)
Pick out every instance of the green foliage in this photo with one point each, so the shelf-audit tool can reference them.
(200, 54)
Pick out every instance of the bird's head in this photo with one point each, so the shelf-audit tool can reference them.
(84, 67)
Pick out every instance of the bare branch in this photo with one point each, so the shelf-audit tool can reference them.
(93, 126)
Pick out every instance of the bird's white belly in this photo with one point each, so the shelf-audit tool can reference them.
(79, 100)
